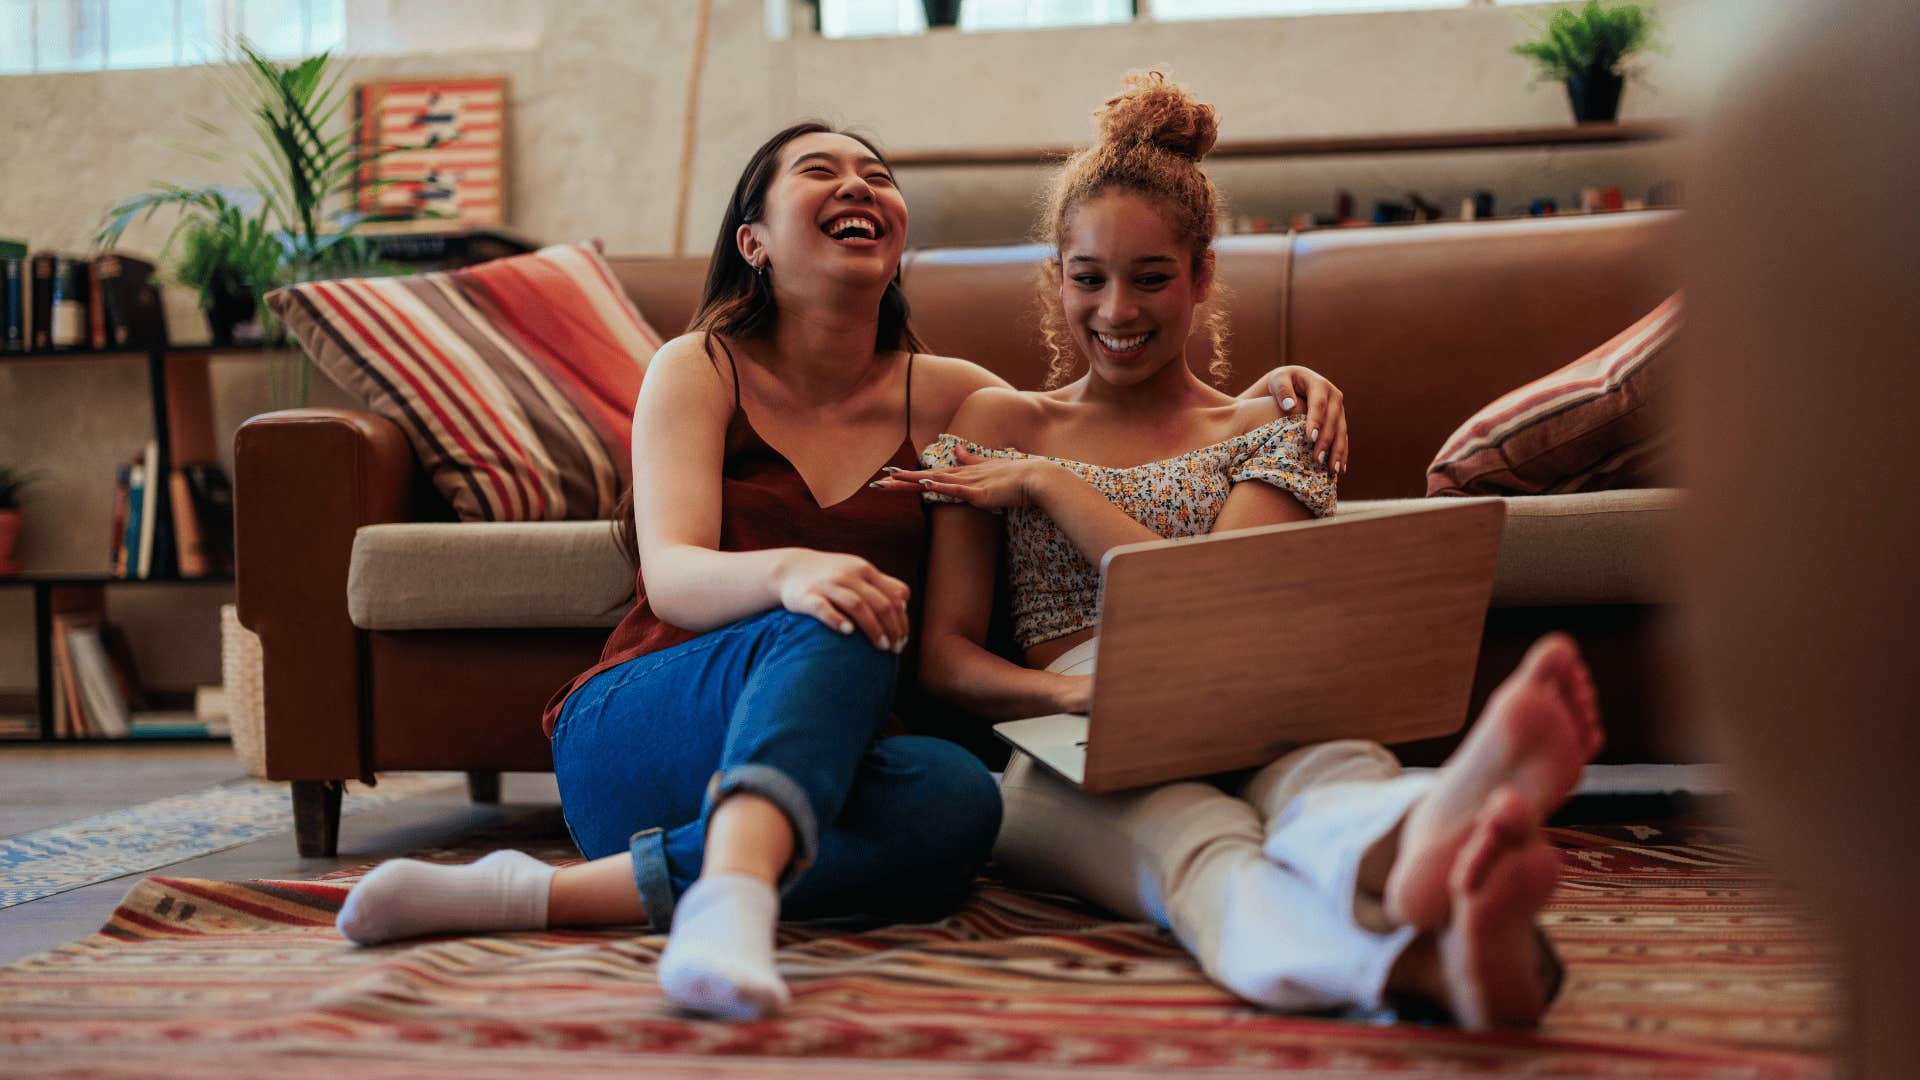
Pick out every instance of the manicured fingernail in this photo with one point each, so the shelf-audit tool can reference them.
(1286, 404)
(926, 483)
(1313, 434)
(876, 484)
(1340, 467)
(900, 646)
(886, 643)
(1322, 459)
(846, 628)
(889, 468)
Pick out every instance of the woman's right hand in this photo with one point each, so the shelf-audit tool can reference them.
(847, 592)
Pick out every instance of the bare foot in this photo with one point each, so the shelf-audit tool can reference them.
(1539, 728)
(1490, 960)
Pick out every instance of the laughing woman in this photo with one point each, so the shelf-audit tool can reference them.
(723, 764)
(1329, 878)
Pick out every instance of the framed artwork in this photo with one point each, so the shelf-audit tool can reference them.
(447, 140)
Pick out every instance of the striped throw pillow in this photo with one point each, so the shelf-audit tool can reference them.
(514, 379)
(1592, 425)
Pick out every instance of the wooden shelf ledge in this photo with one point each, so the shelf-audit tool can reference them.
(1634, 131)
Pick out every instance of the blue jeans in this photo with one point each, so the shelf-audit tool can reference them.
(780, 706)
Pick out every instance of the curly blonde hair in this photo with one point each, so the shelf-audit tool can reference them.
(1151, 139)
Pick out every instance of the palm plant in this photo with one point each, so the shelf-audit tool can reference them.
(293, 221)
(1585, 47)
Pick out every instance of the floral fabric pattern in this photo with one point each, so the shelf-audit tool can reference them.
(1056, 591)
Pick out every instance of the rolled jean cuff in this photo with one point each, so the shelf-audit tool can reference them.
(652, 877)
(779, 789)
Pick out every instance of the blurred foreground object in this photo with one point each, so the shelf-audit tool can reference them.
(1801, 439)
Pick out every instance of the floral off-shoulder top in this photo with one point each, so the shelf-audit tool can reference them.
(1056, 591)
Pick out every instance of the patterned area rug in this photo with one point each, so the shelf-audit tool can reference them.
(1683, 961)
(166, 831)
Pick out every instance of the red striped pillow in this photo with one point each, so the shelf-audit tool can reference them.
(1590, 426)
(514, 379)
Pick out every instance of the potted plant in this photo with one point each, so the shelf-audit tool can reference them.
(1586, 48)
(12, 483)
(293, 221)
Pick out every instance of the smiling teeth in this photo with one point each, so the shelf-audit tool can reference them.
(842, 226)
(1127, 344)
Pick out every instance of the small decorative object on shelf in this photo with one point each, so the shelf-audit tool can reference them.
(12, 482)
(1587, 48)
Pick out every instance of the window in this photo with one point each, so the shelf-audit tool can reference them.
(868, 18)
(1178, 10)
(95, 35)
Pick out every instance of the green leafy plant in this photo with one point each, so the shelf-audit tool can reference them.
(294, 219)
(12, 483)
(1580, 42)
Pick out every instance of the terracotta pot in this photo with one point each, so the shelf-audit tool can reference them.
(9, 535)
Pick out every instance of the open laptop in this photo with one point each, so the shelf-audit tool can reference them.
(1224, 651)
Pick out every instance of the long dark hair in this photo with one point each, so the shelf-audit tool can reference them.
(737, 301)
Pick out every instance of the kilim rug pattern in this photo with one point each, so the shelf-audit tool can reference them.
(1684, 961)
(169, 830)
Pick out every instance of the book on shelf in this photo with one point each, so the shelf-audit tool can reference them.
(127, 559)
(42, 264)
(174, 724)
(54, 301)
(131, 316)
(213, 514)
(96, 308)
(195, 560)
(100, 690)
(14, 288)
(67, 322)
(151, 486)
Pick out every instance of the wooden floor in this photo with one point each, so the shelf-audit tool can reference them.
(42, 786)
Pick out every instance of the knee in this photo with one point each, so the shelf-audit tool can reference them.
(851, 653)
(957, 801)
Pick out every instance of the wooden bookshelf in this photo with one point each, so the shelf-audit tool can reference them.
(51, 589)
(1636, 131)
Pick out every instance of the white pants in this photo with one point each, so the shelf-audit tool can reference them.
(1260, 888)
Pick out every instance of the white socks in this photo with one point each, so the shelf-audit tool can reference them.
(403, 898)
(719, 957)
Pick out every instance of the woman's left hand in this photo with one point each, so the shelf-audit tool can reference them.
(1303, 390)
(987, 483)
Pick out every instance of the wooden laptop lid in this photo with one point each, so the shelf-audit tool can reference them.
(1222, 652)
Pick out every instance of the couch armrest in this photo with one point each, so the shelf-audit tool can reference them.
(305, 481)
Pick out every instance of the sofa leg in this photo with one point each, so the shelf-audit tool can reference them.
(316, 817)
(484, 786)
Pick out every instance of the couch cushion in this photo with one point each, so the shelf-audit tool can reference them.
(514, 379)
(1602, 547)
(487, 575)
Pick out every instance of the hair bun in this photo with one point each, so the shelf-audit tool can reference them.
(1154, 109)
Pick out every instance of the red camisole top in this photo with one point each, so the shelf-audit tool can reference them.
(765, 503)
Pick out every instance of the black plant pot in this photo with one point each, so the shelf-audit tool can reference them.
(227, 305)
(1595, 96)
(942, 12)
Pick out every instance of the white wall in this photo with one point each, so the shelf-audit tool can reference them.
(596, 97)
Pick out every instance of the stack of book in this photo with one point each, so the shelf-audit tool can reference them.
(97, 692)
(55, 301)
(175, 526)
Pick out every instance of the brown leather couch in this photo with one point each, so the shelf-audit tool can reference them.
(1419, 325)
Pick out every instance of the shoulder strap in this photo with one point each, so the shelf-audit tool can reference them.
(910, 399)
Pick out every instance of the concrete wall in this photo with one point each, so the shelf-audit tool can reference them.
(596, 91)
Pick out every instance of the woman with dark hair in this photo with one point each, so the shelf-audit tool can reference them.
(723, 763)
